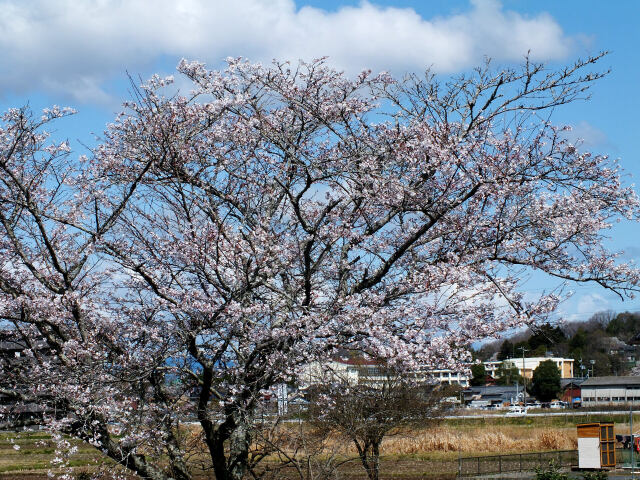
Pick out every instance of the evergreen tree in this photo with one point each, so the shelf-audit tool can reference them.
(478, 375)
(546, 381)
(506, 350)
(508, 374)
(545, 337)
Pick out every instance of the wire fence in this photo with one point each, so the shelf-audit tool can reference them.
(518, 462)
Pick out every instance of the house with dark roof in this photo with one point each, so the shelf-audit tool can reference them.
(489, 395)
(610, 391)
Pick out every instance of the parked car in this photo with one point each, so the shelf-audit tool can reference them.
(557, 404)
(516, 411)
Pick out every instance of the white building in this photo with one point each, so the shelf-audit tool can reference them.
(610, 390)
(445, 375)
(354, 370)
(492, 368)
(349, 370)
(528, 365)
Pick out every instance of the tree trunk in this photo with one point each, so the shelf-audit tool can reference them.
(375, 461)
(229, 464)
(133, 461)
(238, 457)
(370, 457)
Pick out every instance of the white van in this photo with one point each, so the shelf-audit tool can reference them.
(516, 411)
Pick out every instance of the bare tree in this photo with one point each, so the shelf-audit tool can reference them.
(299, 449)
(602, 319)
(380, 405)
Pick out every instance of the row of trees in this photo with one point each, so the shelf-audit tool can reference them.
(219, 241)
(542, 339)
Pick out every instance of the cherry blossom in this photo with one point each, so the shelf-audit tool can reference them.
(215, 243)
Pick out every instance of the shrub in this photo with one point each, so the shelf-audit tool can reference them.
(552, 472)
(599, 475)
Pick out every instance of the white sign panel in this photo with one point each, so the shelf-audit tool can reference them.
(589, 453)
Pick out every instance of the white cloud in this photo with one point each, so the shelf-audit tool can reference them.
(592, 303)
(589, 136)
(584, 307)
(76, 47)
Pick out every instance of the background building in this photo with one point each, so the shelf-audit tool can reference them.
(356, 369)
(610, 390)
(493, 395)
(528, 365)
(448, 376)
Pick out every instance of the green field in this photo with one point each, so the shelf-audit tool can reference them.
(34, 457)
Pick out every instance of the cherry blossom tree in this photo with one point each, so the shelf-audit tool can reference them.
(214, 243)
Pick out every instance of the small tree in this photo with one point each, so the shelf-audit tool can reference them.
(478, 374)
(546, 381)
(369, 411)
(299, 451)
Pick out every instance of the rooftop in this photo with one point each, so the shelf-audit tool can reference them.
(614, 381)
(493, 389)
(565, 382)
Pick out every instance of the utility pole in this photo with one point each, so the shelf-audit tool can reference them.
(633, 443)
(524, 378)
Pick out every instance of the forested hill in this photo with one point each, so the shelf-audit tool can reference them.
(609, 339)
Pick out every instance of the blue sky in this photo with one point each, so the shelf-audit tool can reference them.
(78, 53)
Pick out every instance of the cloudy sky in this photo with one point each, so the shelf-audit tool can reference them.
(78, 53)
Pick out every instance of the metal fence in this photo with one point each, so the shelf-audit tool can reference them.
(518, 462)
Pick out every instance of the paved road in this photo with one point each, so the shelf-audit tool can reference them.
(613, 475)
(547, 414)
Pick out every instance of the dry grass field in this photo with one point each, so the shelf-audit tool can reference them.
(420, 453)
(481, 440)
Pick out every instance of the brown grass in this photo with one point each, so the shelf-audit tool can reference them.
(476, 440)
(419, 453)
(470, 440)
(481, 440)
